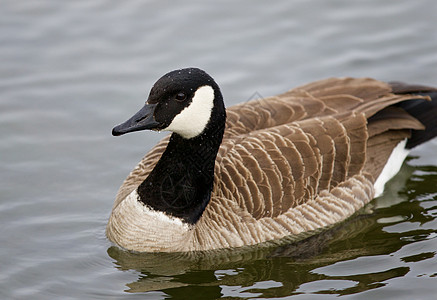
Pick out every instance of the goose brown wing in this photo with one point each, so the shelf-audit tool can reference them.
(270, 171)
(337, 128)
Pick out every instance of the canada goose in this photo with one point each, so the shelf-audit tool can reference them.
(283, 165)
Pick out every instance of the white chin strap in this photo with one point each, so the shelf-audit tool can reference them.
(192, 120)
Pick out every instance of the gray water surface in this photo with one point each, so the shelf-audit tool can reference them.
(71, 70)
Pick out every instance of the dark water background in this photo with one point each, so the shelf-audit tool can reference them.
(71, 70)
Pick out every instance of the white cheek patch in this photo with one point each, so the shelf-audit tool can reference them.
(192, 120)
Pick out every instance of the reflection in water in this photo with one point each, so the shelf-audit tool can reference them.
(341, 260)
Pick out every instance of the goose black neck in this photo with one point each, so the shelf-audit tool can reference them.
(181, 183)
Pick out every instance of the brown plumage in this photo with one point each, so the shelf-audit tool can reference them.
(287, 164)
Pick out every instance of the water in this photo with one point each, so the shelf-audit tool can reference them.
(72, 70)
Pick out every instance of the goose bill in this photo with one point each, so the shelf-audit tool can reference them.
(142, 120)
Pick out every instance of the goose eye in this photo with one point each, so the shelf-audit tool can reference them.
(181, 96)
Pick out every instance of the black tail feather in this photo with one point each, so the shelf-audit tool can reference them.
(423, 110)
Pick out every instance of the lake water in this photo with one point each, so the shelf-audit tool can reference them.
(71, 70)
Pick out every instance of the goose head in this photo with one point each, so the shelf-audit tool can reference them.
(185, 101)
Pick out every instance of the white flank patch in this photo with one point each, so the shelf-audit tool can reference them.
(392, 167)
(151, 214)
(192, 120)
